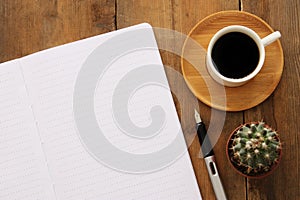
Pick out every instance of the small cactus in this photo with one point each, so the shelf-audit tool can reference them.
(254, 148)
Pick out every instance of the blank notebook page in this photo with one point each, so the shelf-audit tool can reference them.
(64, 166)
(23, 170)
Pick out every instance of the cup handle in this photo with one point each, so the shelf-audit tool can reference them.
(270, 38)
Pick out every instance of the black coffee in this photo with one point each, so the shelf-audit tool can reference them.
(235, 55)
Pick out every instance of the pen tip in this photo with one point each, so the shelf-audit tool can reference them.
(197, 116)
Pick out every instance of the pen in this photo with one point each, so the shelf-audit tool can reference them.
(209, 158)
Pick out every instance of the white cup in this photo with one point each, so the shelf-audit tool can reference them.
(261, 43)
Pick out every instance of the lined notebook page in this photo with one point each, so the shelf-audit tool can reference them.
(50, 78)
(23, 168)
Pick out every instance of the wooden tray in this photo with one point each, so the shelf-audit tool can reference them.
(204, 87)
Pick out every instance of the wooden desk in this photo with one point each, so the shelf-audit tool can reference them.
(30, 26)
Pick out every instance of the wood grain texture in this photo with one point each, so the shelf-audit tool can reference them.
(30, 26)
(237, 98)
(282, 109)
(182, 16)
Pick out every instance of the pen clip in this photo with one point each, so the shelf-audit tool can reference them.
(215, 178)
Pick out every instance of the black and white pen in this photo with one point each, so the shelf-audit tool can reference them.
(209, 158)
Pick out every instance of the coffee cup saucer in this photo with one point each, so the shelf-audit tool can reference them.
(212, 93)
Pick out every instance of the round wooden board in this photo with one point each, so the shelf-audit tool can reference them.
(205, 88)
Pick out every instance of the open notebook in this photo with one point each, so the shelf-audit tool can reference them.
(41, 153)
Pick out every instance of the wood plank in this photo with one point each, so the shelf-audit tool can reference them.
(281, 110)
(30, 26)
(181, 16)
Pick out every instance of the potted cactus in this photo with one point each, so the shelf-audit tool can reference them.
(254, 149)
